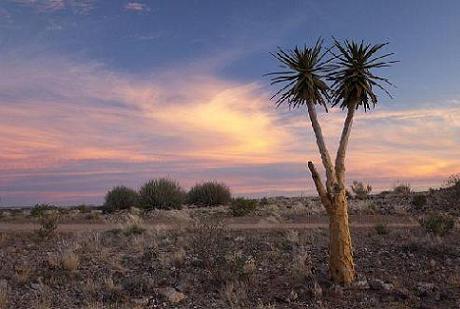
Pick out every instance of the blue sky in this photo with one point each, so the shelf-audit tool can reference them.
(92, 91)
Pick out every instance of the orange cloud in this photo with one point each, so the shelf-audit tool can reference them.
(57, 112)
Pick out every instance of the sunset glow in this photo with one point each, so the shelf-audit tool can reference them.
(78, 116)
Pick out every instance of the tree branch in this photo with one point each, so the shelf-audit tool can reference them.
(323, 195)
(325, 157)
(341, 151)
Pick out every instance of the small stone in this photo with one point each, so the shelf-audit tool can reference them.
(337, 290)
(361, 284)
(425, 288)
(172, 295)
(378, 284)
(141, 301)
(401, 293)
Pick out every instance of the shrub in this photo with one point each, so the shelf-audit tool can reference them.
(41, 209)
(360, 190)
(381, 229)
(133, 229)
(402, 189)
(84, 209)
(263, 201)
(419, 201)
(120, 197)
(453, 187)
(209, 194)
(162, 193)
(48, 225)
(242, 207)
(70, 261)
(437, 224)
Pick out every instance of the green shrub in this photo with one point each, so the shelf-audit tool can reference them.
(209, 194)
(162, 193)
(360, 190)
(242, 207)
(381, 229)
(41, 209)
(120, 197)
(437, 224)
(419, 201)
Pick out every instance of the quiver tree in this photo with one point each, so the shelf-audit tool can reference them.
(343, 76)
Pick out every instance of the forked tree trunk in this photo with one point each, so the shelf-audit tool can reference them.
(334, 199)
(341, 265)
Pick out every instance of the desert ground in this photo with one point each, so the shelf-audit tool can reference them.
(199, 257)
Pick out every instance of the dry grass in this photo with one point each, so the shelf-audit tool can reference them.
(43, 296)
(70, 261)
(3, 238)
(4, 291)
(235, 294)
(23, 273)
(301, 267)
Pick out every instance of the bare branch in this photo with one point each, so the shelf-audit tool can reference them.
(325, 157)
(323, 195)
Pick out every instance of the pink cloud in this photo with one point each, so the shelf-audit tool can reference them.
(59, 115)
(136, 7)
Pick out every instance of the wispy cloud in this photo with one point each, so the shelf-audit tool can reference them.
(77, 6)
(136, 7)
(71, 129)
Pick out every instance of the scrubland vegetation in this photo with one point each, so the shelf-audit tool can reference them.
(171, 255)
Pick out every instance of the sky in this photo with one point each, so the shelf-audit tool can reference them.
(98, 93)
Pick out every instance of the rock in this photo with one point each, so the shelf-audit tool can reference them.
(378, 284)
(336, 290)
(401, 293)
(172, 295)
(141, 301)
(361, 284)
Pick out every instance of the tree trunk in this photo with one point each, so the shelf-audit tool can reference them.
(341, 265)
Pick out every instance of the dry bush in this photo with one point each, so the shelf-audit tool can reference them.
(235, 294)
(402, 189)
(40, 210)
(175, 258)
(381, 229)
(70, 261)
(23, 273)
(43, 296)
(360, 190)
(112, 292)
(437, 224)
(419, 201)
(4, 292)
(242, 207)
(3, 238)
(48, 225)
(301, 267)
(292, 236)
